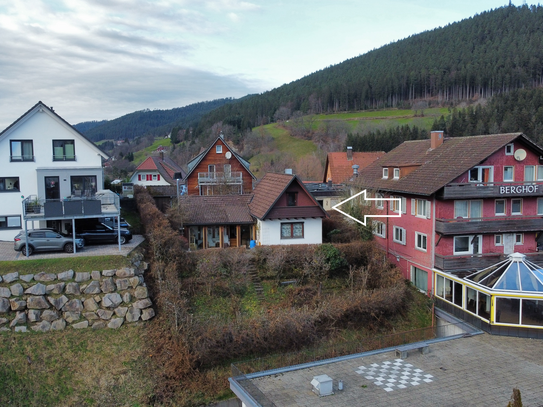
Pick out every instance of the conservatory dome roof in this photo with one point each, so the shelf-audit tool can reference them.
(513, 274)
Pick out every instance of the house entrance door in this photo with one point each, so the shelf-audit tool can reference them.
(52, 188)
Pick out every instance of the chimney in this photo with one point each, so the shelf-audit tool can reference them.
(355, 170)
(436, 139)
(288, 171)
(162, 156)
(349, 153)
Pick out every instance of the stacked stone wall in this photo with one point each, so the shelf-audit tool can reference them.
(97, 299)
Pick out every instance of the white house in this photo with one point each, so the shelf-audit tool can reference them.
(43, 158)
(286, 213)
(157, 171)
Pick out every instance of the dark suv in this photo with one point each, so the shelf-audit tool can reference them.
(101, 233)
(46, 240)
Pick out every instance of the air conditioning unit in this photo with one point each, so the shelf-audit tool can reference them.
(322, 385)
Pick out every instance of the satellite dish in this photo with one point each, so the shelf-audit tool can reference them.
(228, 155)
(520, 154)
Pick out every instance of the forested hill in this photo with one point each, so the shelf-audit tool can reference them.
(144, 122)
(493, 52)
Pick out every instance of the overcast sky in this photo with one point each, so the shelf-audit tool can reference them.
(101, 59)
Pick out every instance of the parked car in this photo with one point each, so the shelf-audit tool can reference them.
(101, 233)
(46, 240)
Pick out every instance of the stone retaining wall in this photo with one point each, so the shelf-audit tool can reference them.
(44, 301)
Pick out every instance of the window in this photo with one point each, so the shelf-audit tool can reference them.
(22, 150)
(63, 150)
(498, 240)
(218, 149)
(385, 173)
(156, 177)
(9, 184)
(399, 235)
(292, 198)
(519, 238)
(481, 174)
(508, 174)
(379, 229)
(419, 278)
(467, 244)
(529, 173)
(500, 207)
(379, 201)
(83, 186)
(468, 209)
(10, 222)
(540, 172)
(540, 206)
(420, 208)
(292, 230)
(509, 149)
(516, 206)
(396, 173)
(420, 241)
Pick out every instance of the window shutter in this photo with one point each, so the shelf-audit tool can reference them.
(391, 203)
(413, 207)
(139, 177)
(404, 205)
(427, 209)
(158, 177)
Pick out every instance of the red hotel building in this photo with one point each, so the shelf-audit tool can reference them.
(466, 203)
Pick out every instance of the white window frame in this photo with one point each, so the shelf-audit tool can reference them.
(379, 229)
(527, 169)
(379, 202)
(420, 208)
(423, 241)
(496, 213)
(509, 149)
(540, 206)
(396, 173)
(413, 279)
(519, 239)
(516, 199)
(401, 232)
(471, 244)
(385, 173)
(512, 179)
(468, 203)
(498, 240)
(480, 170)
(397, 206)
(218, 149)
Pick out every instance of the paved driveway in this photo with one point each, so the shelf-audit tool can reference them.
(7, 252)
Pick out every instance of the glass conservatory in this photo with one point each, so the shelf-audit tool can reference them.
(507, 294)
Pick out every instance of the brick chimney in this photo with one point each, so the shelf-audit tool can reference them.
(349, 153)
(436, 139)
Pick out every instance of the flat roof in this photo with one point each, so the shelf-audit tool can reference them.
(480, 370)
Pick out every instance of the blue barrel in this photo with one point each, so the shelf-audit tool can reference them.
(252, 244)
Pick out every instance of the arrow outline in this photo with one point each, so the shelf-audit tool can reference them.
(363, 192)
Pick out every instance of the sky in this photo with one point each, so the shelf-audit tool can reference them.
(101, 59)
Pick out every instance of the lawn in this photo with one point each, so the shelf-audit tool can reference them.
(141, 155)
(78, 264)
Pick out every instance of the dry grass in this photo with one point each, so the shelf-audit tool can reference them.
(73, 368)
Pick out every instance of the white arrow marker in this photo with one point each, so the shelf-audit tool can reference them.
(363, 193)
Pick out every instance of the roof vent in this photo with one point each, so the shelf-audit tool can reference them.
(355, 170)
(322, 385)
(288, 171)
(349, 153)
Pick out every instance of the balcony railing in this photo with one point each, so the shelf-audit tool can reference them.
(101, 203)
(477, 261)
(216, 178)
(492, 189)
(498, 224)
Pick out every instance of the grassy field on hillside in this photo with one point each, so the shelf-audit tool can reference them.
(140, 156)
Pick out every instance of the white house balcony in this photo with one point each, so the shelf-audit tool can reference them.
(103, 203)
(220, 178)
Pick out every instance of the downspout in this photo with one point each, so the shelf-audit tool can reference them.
(432, 261)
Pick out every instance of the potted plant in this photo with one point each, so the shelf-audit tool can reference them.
(33, 205)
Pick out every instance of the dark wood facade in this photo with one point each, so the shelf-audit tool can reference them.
(490, 190)
(508, 224)
(213, 179)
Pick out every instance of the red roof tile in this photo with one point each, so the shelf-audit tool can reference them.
(341, 169)
(165, 166)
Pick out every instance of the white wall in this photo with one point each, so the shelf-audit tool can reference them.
(42, 128)
(269, 232)
(143, 183)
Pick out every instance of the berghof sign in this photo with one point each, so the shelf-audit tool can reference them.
(520, 189)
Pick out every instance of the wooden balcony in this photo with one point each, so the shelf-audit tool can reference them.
(477, 261)
(498, 224)
(220, 178)
(472, 190)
